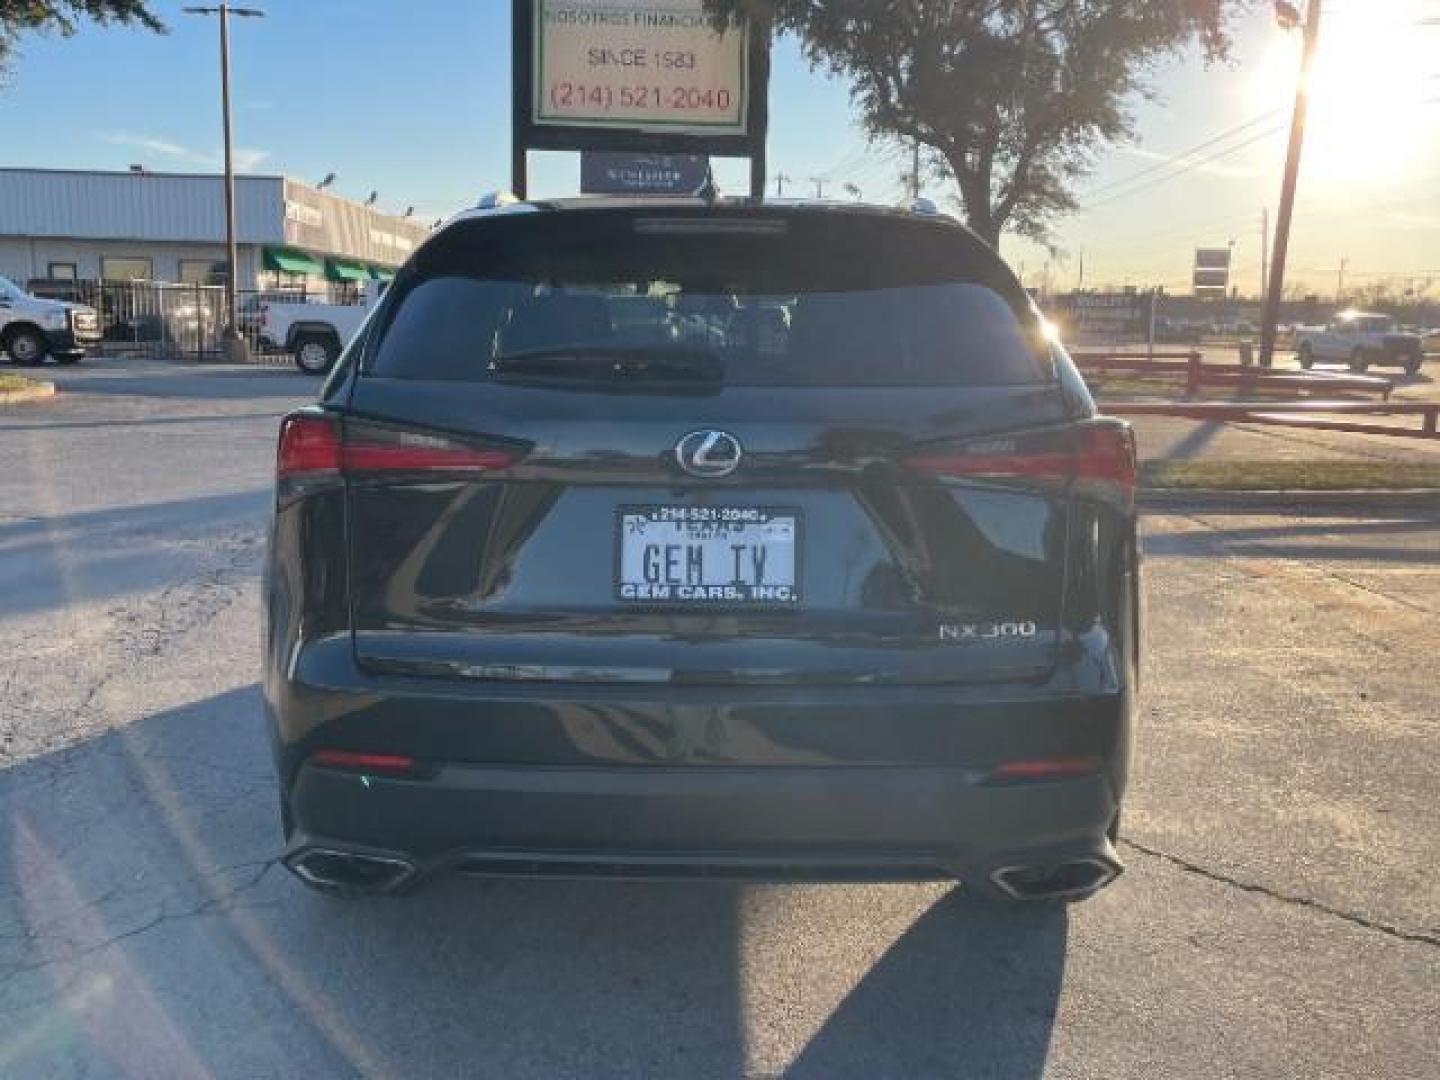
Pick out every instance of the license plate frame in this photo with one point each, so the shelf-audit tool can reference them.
(663, 516)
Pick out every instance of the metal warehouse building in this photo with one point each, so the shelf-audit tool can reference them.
(60, 225)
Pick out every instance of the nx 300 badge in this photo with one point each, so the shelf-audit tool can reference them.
(986, 631)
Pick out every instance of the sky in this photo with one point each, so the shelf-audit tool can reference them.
(411, 100)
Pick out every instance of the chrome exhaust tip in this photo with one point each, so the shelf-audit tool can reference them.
(1072, 879)
(349, 871)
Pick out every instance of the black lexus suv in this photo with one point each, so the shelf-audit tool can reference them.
(703, 539)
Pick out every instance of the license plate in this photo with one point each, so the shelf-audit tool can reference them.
(707, 555)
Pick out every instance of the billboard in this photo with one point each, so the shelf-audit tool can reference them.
(1211, 276)
(604, 173)
(1212, 258)
(1103, 318)
(638, 66)
(637, 75)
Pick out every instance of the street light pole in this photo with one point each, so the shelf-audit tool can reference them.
(1287, 188)
(235, 347)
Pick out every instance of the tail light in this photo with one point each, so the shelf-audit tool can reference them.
(309, 448)
(1101, 451)
(382, 450)
(316, 451)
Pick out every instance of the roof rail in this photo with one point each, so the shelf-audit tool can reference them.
(493, 200)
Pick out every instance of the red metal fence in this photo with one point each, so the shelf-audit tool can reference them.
(1191, 370)
(1317, 414)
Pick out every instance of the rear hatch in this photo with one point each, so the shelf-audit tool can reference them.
(709, 446)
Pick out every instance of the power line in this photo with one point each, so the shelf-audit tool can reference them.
(1190, 166)
(1183, 155)
(1154, 240)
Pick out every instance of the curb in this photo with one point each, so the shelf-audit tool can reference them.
(1296, 500)
(38, 392)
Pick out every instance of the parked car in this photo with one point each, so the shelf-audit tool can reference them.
(1362, 340)
(313, 333)
(32, 329)
(817, 564)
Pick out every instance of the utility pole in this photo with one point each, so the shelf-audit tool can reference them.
(1264, 248)
(1081, 286)
(1287, 188)
(819, 182)
(1340, 282)
(780, 181)
(914, 170)
(235, 348)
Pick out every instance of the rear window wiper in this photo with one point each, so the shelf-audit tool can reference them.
(613, 363)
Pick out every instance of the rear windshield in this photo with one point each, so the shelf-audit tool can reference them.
(768, 299)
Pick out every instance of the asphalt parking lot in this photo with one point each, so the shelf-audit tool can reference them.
(1280, 915)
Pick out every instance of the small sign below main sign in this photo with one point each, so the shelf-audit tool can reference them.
(604, 173)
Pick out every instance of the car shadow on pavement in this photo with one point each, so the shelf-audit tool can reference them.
(1395, 539)
(1192, 444)
(50, 563)
(969, 990)
(185, 381)
(145, 929)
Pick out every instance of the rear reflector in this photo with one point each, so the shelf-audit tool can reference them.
(349, 759)
(1047, 769)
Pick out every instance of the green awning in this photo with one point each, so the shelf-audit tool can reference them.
(341, 270)
(288, 261)
(379, 273)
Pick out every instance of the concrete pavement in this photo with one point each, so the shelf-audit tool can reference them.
(1280, 916)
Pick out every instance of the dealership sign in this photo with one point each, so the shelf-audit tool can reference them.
(638, 66)
(650, 77)
(643, 174)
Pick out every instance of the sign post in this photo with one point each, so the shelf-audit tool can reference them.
(643, 76)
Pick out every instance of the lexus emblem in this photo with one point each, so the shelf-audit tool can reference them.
(711, 454)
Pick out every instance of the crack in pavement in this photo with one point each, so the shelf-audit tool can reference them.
(220, 903)
(142, 630)
(1419, 937)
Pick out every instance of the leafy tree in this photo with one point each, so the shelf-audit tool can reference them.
(1012, 98)
(64, 17)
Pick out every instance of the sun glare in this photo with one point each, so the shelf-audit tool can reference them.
(1368, 90)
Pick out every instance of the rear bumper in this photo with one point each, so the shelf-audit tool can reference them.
(807, 783)
(776, 824)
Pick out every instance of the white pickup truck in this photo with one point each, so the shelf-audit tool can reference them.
(315, 334)
(32, 328)
(1362, 340)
